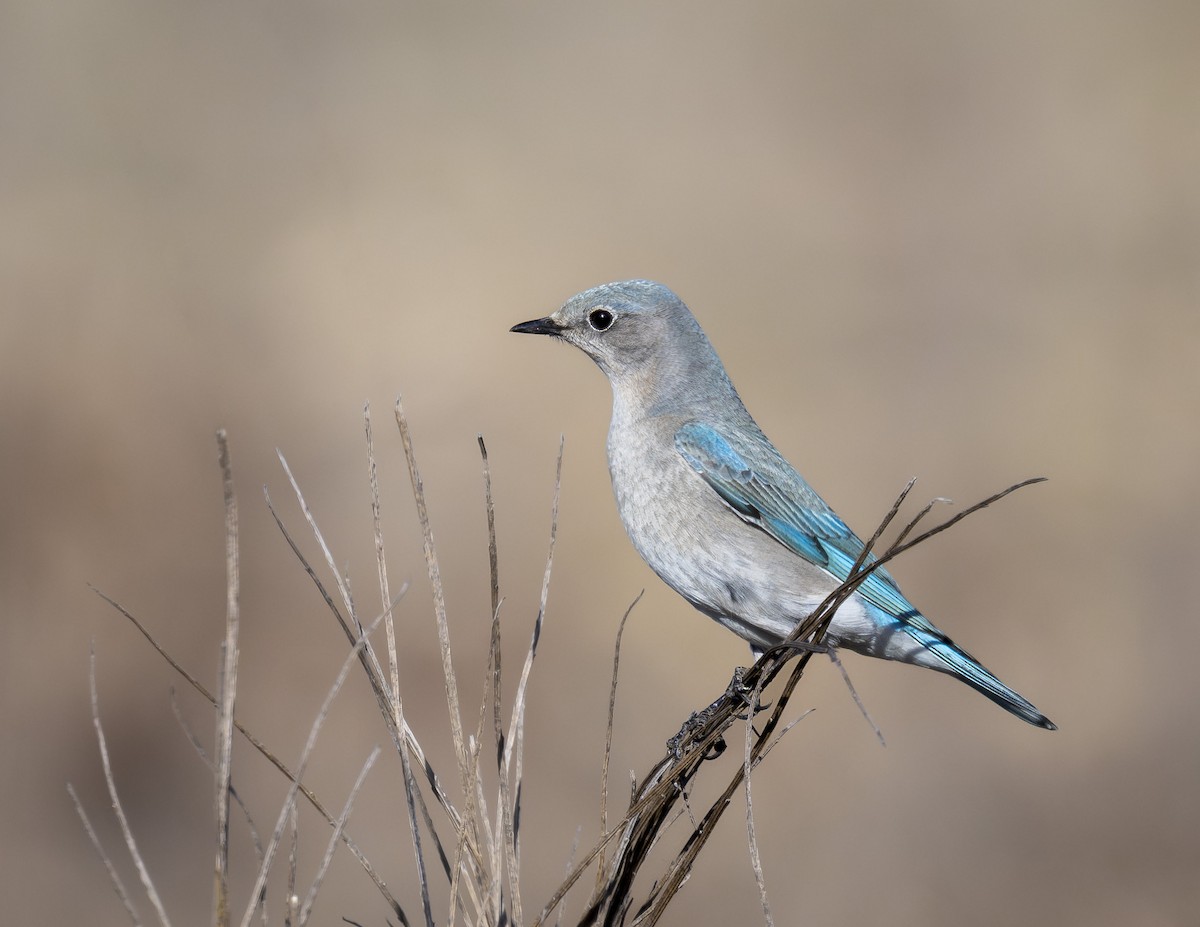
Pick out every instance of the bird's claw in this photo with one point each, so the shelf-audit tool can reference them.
(738, 691)
(693, 726)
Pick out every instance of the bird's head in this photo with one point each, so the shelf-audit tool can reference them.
(627, 328)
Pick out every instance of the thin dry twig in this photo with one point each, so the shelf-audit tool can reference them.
(399, 731)
(227, 687)
(113, 877)
(310, 743)
(389, 623)
(194, 740)
(396, 702)
(292, 900)
(779, 737)
(900, 545)
(493, 692)
(461, 752)
(258, 745)
(485, 897)
(493, 686)
(608, 734)
(570, 863)
(344, 589)
(439, 599)
(376, 678)
(118, 809)
(496, 691)
(484, 901)
(837, 661)
(490, 507)
(335, 839)
(748, 763)
(308, 568)
(514, 752)
(474, 802)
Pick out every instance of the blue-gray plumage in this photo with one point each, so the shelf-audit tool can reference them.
(716, 511)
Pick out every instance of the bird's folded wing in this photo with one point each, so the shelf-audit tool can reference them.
(757, 483)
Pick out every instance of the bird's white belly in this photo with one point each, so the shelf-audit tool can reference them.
(729, 569)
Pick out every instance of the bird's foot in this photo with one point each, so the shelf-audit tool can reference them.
(690, 731)
(738, 691)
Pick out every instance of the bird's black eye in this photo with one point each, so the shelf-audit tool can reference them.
(600, 319)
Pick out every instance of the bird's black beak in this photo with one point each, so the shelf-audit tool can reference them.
(546, 326)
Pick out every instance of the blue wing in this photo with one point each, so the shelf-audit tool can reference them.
(766, 491)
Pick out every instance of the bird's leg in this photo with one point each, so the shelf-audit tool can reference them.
(737, 688)
(736, 691)
(693, 726)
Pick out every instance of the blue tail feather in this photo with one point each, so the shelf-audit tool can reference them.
(960, 664)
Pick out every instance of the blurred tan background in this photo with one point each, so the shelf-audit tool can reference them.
(957, 241)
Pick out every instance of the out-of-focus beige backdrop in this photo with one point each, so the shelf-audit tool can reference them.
(957, 241)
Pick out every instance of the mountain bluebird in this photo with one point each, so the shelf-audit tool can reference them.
(716, 511)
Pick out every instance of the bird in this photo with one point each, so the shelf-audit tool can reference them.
(716, 511)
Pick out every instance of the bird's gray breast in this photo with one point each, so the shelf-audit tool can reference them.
(659, 501)
(698, 545)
